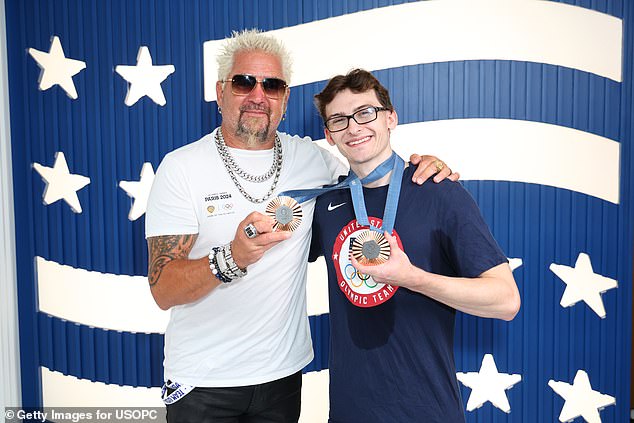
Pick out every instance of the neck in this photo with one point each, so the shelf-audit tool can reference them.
(385, 180)
(364, 169)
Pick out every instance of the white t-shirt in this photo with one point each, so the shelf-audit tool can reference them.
(255, 329)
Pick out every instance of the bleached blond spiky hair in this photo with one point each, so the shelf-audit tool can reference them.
(252, 40)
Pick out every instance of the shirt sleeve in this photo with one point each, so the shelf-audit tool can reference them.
(468, 242)
(334, 164)
(170, 208)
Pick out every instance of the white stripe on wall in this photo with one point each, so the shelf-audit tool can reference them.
(447, 30)
(59, 390)
(517, 150)
(121, 302)
(317, 288)
(102, 300)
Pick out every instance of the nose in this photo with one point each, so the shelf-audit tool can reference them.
(257, 94)
(353, 126)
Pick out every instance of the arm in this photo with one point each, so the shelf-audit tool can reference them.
(175, 279)
(493, 293)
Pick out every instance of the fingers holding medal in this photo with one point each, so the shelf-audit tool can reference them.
(286, 212)
(370, 248)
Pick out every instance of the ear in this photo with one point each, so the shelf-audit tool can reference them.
(286, 97)
(392, 119)
(219, 93)
(328, 137)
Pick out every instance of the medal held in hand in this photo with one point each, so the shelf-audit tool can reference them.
(370, 248)
(286, 212)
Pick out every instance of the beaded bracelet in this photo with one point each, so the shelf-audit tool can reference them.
(216, 268)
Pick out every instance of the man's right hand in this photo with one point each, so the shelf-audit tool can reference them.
(245, 250)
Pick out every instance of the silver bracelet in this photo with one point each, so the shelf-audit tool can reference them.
(231, 264)
(222, 263)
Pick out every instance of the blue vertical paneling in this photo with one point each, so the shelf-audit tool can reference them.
(108, 141)
(126, 358)
(320, 332)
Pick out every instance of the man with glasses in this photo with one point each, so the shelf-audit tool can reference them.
(238, 335)
(401, 260)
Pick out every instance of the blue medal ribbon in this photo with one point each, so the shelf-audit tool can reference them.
(396, 165)
(393, 164)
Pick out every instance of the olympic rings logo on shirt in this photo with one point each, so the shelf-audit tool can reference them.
(359, 288)
(353, 274)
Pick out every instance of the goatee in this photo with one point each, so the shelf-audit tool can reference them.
(252, 137)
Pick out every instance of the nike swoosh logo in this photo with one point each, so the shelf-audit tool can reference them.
(331, 207)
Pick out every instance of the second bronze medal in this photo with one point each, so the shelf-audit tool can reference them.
(370, 248)
(286, 212)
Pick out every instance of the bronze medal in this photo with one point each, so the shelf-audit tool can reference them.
(286, 212)
(370, 248)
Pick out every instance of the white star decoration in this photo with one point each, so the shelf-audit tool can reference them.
(144, 79)
(139, 191)
(56, 68)
(60, 183)
(488, 385)
(583, 284)
(580, 399)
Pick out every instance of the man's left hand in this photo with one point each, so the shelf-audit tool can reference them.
(429, 166)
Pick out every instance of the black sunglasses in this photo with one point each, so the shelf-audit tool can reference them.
(244, 84)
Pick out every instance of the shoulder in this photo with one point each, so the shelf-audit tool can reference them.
(308, 154)
(445, 189)
(451, 196)
(188, 158)
(297, 143)
(191, 150)
(447, 198)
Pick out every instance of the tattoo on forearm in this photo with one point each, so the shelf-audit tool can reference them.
(163, 249)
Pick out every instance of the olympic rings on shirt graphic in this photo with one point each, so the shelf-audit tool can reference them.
(353, 274)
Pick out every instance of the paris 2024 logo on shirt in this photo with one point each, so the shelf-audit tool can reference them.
(360, 289)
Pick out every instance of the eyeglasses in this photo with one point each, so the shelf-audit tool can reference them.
(341, 122)
(244, 84)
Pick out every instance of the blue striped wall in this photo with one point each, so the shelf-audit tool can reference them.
(109, 141)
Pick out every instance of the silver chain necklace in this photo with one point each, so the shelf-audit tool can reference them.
(277, 151)
(233, 168)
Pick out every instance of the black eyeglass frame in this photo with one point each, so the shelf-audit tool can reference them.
(270, 91)
(377, 109)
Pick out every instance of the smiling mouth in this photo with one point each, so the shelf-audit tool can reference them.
(358, 141)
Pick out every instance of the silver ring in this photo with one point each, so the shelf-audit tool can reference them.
(250, 231)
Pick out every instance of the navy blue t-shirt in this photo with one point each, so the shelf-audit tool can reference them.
(391, 352)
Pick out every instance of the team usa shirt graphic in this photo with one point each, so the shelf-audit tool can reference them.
(360, 289)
